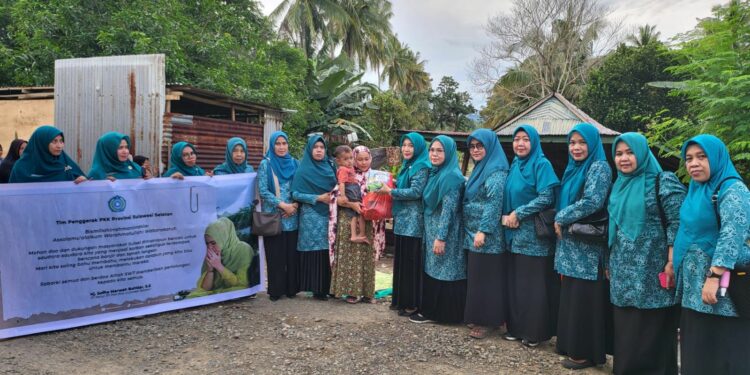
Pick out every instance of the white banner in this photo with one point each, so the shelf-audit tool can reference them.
(99, 251)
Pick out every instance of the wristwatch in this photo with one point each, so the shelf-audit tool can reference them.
(712, 274)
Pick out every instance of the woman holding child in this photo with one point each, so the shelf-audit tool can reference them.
(353, 242)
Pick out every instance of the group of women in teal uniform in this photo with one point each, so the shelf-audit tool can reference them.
(478, 250)
(485, 260)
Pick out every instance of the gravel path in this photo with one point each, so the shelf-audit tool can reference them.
(290, 336)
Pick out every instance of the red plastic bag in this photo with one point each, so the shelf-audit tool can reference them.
(377, 206)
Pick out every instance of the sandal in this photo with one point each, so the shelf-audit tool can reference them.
(479, 332)
(353, 300)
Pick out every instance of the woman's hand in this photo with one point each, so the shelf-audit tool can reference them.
(511, 220)
(79, 180)
(479, 239)
(210, 173)
(385, 189)
(215, 261)
(342, 199)
(558, 230)
(111, 178)
(287, 209)
(438, 247)
(710, 287)
(177, 176)
(356, 206)
(669, 271)
(324, 198)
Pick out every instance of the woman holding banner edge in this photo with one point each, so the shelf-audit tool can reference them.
(44, 159)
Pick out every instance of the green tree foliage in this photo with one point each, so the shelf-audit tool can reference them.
(617, 94)
(450, 107)
(226, 46)
(716, 59)
(406, 72)
(383, 115)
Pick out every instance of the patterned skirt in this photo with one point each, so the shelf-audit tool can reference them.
(353, 272)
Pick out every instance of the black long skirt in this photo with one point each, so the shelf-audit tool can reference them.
(585, 318)
(443, 301)
(534, 297)
(282, 260)
(486, 289)
(645, 341)
(407, 272)
(713, 344)
(315, 272)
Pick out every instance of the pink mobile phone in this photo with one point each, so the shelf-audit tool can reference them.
(665, 281)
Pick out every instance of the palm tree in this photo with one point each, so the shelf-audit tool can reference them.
(647, 34)
(304, 22)
(365, 35)
(406, 72)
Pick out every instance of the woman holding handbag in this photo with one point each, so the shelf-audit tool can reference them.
(312, 186)
(643, 218)
(275, 175)
(483, 239)
(584, 293)
(533, 284)
(713, 239)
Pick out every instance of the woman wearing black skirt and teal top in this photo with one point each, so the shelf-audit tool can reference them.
(408, 223)
(278, 169)
(642, 228)
(444, 285)
(714, 340)
(483, 239)
(533, 284)
(311, 187)
(584, 293)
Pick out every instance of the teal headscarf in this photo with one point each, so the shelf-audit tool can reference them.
(37, 164)
(575, 173)
(529, 175)
(444, 178)
(228, 166)
(627, 205)
(494, 160)
(419, 160)
(697, 218)
(315, 176)
(284, 167)
(177, 165)
(106, 162)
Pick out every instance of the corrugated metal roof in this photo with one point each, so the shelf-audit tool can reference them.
(118, 93)
(553, 116)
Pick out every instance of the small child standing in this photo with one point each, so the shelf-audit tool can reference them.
(349, 186)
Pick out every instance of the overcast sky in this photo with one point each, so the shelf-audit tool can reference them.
(448, 33)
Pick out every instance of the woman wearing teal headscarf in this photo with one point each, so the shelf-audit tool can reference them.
(227, 260)
(486, 287)
(235, 158)
(182, 162)
(713, 338)
(312, 186)
(584, 293)
(408, 223)
(645, 319)
(112, 159)
(444, 283)
(282, 259)
(44, 160)
(533, 284)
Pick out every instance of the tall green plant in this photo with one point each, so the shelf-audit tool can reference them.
(717, 63)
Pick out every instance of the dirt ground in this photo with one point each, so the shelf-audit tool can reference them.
(290, 336)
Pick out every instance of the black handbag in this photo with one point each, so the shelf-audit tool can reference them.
(544, 223)
(267, 223)
(739, 290)
(592, 228)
